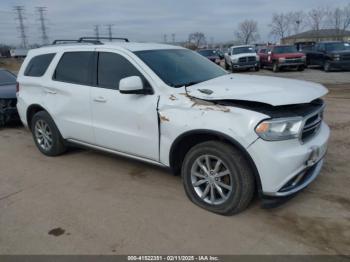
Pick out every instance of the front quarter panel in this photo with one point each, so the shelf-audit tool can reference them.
(179, 114)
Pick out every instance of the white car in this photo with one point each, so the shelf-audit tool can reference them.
(229, 136)
(243, 57)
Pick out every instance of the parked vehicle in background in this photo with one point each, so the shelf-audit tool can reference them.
(281, 56)
(329, 56)
(18, 52)
(229, 136)
(242, 57)
(220, 53)
(211, 54)
(8, 100)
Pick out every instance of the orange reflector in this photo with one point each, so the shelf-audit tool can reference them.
(262, 128)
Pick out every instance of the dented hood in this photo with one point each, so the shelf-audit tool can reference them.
(269, 90)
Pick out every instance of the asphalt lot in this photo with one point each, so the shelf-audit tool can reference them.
(88, 202)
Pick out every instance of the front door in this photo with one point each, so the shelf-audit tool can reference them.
(127, 123)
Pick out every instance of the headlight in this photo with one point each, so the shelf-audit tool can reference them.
(281, 60)
(257, 58)
(279, 128)
(336, 57)
(234, 60)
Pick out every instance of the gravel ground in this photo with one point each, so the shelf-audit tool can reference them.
(88, 202)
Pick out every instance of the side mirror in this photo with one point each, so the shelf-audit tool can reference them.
(132, 85)
(269, 53)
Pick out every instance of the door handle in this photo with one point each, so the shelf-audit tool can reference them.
(100, 99)
(49, 91)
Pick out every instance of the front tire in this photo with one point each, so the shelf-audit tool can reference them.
(218, 178)
(327, 66)
(227, 67)
(275, 68)
(46, 135)
(301, 68)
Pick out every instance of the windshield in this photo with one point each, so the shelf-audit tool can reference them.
(285, 49)
(6, 78)
(337, 46)
(245, 49)
(208, 52)
(180, 67)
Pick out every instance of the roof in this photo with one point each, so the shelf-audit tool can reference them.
(320, 33)
(238, 46)
(131, 46)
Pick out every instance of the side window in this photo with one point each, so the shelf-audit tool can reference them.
(75, 68)
(37, 65)
(112, 68)
(263, 51)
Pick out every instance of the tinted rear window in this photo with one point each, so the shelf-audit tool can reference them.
(75, 67)
(6, 78)
(112, 68)
(37, 65)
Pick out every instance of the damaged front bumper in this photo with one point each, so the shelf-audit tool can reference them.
(287, 167)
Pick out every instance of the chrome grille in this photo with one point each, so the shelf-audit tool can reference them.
(312, 125)
(247, 59)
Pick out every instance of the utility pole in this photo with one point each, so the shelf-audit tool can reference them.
(97, 31)
(165, 38)
(109, 28)
(173, 38)
(20, 17)
(41, 10)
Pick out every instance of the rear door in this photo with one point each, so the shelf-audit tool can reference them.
(69, 93)
(127, 123)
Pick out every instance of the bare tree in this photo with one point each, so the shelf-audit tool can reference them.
(197, 39)
(317, 18)
(247, 31)
(297, 21)
(339, 18)
(280, 25)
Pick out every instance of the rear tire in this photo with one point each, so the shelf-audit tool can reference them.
(238, 176)
(257, 68)
(46, 135)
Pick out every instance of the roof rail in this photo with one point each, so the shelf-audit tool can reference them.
(90, 38)
(66, 41)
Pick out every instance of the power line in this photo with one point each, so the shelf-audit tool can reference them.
(20, 17)
(41, 10)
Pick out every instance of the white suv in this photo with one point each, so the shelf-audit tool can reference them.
(230, 136)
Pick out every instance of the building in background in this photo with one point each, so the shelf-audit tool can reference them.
(314, 36)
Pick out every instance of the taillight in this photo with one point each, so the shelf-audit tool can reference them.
(17, 87)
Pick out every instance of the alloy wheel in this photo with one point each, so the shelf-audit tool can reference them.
(211, 179)
(43, 135)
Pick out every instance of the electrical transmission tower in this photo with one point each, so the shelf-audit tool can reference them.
(173, 38)
(165, 38)
(20, 17)
(109, 28)
(97, 31)
(41, 10)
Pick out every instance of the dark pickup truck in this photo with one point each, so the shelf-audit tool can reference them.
(329, 56)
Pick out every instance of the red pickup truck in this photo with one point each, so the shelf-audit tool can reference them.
(281, 56)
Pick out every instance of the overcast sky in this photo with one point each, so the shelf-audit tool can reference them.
(147, 20)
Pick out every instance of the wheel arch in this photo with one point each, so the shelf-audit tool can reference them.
(31, 111)
(184, 142)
